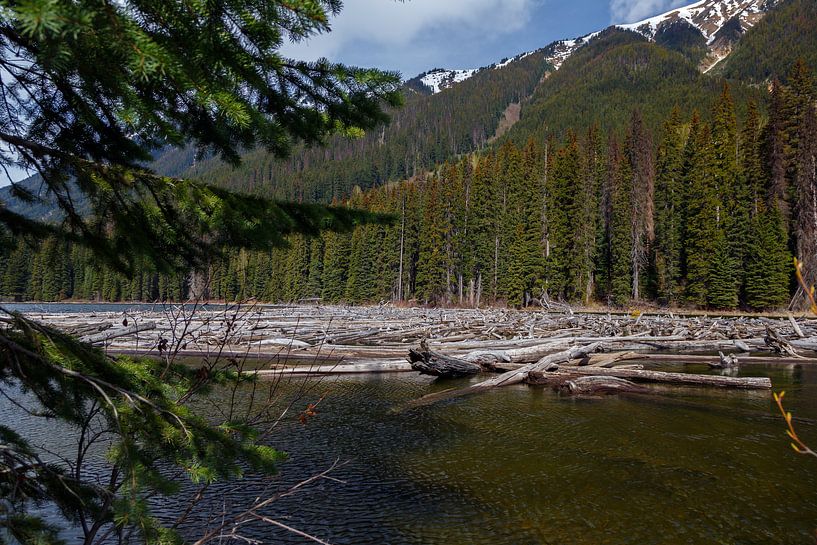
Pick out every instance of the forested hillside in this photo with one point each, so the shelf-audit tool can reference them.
(707, 213)
(425, 131)
(615, 72)
(786, 34)
(629, 176)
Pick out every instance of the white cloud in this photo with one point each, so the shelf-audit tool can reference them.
(631, 11)
(395, 24)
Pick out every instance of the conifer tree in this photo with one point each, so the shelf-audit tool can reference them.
(733, 190)
(431, 260)
(314, 282)
(703, 225)
(722, 285)
(563, 179)
(621, 226)
(524, 212)
(768, 263)
(336, 265)
(482, 236)
(669, 209)
(587, 219)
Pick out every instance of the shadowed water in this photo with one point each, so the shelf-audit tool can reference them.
(524, 465)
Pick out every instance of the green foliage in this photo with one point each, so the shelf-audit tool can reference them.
(684, 38)
(144, 406)
(427, 130)
(768, 262)
(93, 88)
(90, 91)
(695, 222)
(604, 81)
(669, 209)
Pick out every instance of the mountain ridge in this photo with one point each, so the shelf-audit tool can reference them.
(709, 17)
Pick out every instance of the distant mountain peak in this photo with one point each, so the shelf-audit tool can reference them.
(710, 17)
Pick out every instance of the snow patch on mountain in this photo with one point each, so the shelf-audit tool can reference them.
(440, 78)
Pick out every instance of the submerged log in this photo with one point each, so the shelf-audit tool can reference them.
(596, 385)
(660, 377)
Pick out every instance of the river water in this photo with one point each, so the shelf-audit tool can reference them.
(524, 465)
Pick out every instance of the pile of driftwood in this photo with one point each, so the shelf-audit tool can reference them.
(317, 339)
(581, 370)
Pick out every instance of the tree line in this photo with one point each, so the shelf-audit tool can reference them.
(708, 213)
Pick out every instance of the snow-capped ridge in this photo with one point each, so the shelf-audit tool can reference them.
(708, 16)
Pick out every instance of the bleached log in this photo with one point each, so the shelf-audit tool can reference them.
(427, 362)
(678, 379)
(796, 327)
(341, 369)
(105, 336)
(511, 377)
(291, 343)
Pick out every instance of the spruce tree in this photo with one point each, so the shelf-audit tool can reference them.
(563, 179)
(733, 190)
(703, 223)
(722, 284)
(621, 227)
(335, 266)
(768, 263)
(524, 211)
(432, 283)
(587, 219)
(669, 209)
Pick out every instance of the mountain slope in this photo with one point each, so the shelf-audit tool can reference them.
(428, 130)
(775, 44)
(615, 73)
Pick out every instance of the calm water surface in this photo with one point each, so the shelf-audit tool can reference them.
(524, 465)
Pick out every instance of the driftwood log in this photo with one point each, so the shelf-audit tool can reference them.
(595, 385)
(659, 377)
(427, 362)
(511, 377)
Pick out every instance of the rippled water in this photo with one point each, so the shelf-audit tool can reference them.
(525, 465)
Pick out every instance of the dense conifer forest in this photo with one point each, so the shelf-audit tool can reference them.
(705, 212)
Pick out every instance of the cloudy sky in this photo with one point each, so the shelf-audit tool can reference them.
(412, 36)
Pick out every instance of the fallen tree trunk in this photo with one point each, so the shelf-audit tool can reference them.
(692, 359)
(511, 377)
(435, 364)
(341, 369)
(110, 335)
(678, 379)
(596, 385)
